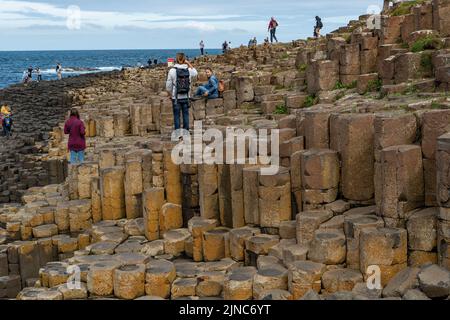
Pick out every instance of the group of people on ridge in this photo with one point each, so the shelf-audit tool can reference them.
(178, 85)
(28, 74)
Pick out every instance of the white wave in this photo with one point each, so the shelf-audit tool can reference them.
(71, 71)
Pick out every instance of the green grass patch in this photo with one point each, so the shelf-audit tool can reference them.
(339, 85)
(405, 7)
(311, 100)
(436, 105)
(427, 43)
(374, 85)
(281, 109)
(426, 63)
(303, 67)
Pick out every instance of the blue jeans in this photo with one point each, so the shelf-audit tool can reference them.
(272, 35)
(6, 131)
(76, 157)
(182, 107)
(202, 90)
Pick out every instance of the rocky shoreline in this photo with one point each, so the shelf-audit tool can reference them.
(362, 197)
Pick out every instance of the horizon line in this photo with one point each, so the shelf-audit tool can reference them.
(65, 50)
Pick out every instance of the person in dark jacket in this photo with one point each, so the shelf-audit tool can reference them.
(7, 124)
(318, 27)
(75, 128)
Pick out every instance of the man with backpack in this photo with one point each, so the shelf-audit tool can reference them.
(273, 24)
(178, 85)
(318, 27)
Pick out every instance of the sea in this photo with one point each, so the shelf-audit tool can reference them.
(74, 63)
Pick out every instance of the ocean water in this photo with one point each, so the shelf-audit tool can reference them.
(14, 63)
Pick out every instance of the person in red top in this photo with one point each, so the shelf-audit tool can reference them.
(273, 24)
(74, 127)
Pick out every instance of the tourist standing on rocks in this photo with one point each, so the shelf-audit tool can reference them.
(318, 27)
(59, 71)
(25, 77)
(202, 48)
(30, 72)
(39, 75)
(273, 25)
(210, 89)
(75, 128)
(178, 85)
(225, 47)
(7, 124)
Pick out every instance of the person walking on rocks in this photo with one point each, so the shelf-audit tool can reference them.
(178, 86)
(39, 75)
(318, 27)
(209, 90)
(59, 71)
(202, 48)
(225, 47)
(273, 25)
(30, 73)
(76, 130)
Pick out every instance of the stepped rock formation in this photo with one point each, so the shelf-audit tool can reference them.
(364, 129)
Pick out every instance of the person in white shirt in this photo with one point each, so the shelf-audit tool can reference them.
(178, 85)
(202, 48)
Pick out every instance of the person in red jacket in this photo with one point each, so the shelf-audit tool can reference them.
(74, 127)
(273, 24)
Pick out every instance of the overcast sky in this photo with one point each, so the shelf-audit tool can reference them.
(161, 24)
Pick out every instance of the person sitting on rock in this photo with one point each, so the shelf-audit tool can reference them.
(210, 89)
(75, 128)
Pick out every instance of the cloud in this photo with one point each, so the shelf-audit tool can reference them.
(24, 14)
(339, 19)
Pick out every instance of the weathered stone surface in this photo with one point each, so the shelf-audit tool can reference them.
(402, 282)
(269, 279)
(340, 280)
(422, 230)
(308, 222)
(402, 184)
(385, 248)
(353, 137)
(129, 282)
(100, 280)
(304, 276)
(159, 277)
(237, 241)
(328, 247)
(434, 281)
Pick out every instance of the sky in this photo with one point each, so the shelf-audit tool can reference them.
(163, 24)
